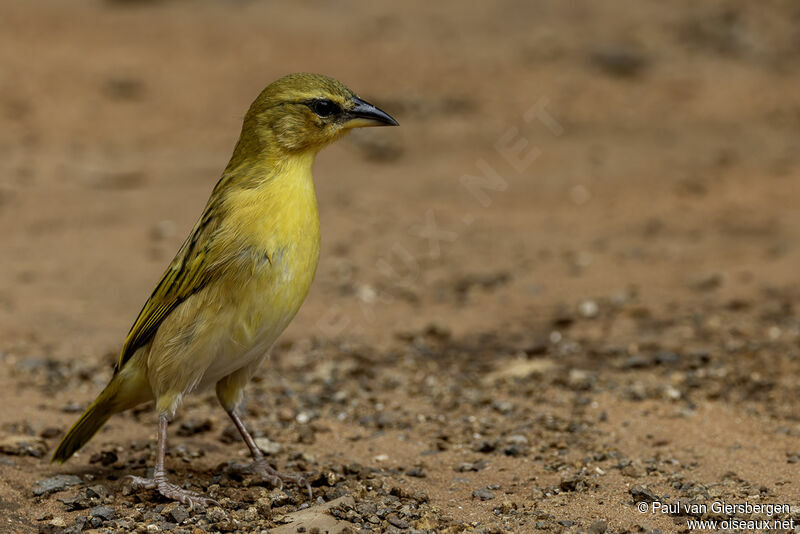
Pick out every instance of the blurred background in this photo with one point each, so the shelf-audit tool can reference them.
(589, 209)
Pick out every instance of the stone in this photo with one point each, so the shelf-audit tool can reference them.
(55, 484)
(483, 494)
(175, 512)
(106, 513)
(268, 446)
(23, 446)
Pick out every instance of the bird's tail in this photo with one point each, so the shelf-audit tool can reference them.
(89, 423)
(128, 388)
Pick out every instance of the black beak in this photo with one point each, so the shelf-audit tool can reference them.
(365, 114)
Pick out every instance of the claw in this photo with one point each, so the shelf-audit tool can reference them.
(171, 491)
(276, 478)
(140, 483)
(260, 466)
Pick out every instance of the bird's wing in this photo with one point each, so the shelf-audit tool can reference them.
(192, 269)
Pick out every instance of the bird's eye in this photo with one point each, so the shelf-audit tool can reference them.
(324, 108)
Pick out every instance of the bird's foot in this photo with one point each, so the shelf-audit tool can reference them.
(274, 477)
(189, 498)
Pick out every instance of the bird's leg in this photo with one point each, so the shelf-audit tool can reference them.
(159, 481)
(260, 465)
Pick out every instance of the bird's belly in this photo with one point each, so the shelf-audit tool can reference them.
(275, 290)
(234, 356)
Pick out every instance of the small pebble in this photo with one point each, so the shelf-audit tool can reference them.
(55, 484)
(216, 514)
(106, 513)
(588, 309)
(268, 446)
(175, 512)
(23, 446)
(416, 472)
(643, 494)
(483, 494)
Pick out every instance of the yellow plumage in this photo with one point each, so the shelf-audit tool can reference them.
(243, 272)
(225, 329)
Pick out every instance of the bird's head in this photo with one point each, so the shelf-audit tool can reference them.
(305, 112)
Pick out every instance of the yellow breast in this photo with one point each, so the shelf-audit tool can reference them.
(277, 243)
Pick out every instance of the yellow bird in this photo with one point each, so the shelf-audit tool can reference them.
(241, 275)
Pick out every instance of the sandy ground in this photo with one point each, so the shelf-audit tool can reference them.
(565, 288)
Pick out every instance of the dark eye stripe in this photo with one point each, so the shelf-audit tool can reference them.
(324, 107)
